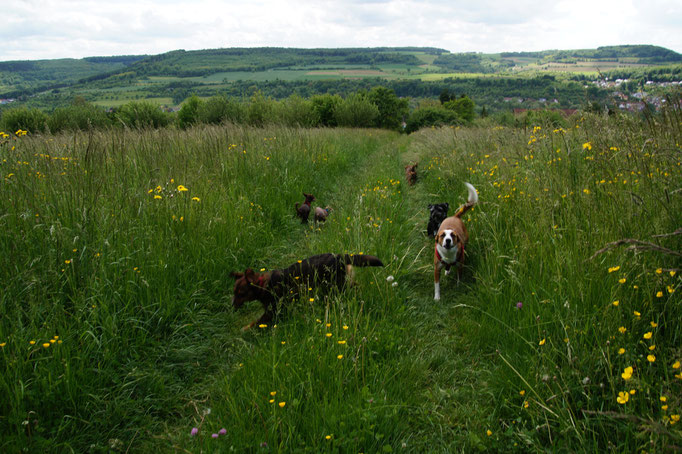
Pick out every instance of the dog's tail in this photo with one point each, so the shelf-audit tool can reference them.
(362, 260)
(471, 201)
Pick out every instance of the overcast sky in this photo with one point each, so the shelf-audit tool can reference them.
(39, 29)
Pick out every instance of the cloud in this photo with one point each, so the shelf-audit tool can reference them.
(35, 29)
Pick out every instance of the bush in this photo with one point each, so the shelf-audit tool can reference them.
(296, 111)
(431, 116)
(78, 116)
(356, 111)
(325, 105)
(189, 112)
(259, 111)
(219, 109)
(31, 120)
(142, 114)
(463, 107)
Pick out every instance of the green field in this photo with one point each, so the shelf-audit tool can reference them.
(117, 333)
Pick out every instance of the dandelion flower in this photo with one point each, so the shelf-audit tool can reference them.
(196, 199)
(622, 329)
(339, 357)
(273, 393)
(488, 432)
(282, 404)
(663, 399)
(262, 325)
(587, 146)
(622, 280)
(522, 392)
(613, 268)
(342, 342)
(181, 188)
(651, 358)
(623, 397)
(345, 326)
(676, 365)
(157, 197)
(616, 303)
(647, 335)
(542, 342)
(627, 373)
(674, 419)
(328, 334)
(46, 344)
(637, 314)
(659, 294)
(621, 351)
(312, 299)
(670, 289)
(672, 273)
(525, 404)
(659, 270)
(3, 344)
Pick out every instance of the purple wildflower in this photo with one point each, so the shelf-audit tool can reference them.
(222, 431)
(519, 305)
(214, 435)
(194, 431)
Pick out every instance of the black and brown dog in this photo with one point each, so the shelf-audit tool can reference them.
(323, 272)
(451, 239)
(303, 210)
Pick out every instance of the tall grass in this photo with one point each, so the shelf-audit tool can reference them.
(117, 332)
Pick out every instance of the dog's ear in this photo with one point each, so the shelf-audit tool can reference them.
(236, 274)
(447, 206)
(430, 207)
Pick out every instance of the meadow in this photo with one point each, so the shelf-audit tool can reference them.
(117, 332)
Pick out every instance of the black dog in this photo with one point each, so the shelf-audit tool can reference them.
(322, 271)
(439, 212)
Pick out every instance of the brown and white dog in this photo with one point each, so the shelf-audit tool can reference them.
(411, 173)
(324, 271)
(303, 211)
(451, 239)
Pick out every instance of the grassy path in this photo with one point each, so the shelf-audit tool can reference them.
(410, 353)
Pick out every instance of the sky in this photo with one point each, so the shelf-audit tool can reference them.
(49, 29)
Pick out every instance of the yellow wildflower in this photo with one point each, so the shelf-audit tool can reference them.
(676, 365)
(616, 303)
(623, 397)
(622, 280)
(622, 329)
(339, 357)
(613, 268)
(659, 294)
(647, 335)
(181, 188)
(542, 342)
(621, 351)
(651, 358)
(282, 404)
(627, 373)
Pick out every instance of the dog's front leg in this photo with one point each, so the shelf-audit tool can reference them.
(436, 280)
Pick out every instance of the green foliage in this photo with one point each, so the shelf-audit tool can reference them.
(189, 112)
(31, 120)
(463, 63)
(295, 111)
(356, 111)
(463, 107)
(431, 116)
(392, 109)
(142, 114)
(325, 106)
(218, 109)
(78, 116)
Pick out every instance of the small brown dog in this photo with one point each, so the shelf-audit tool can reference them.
(322, 213)
(451, 239)
(324, 271)
(303, 211)
(411, 173)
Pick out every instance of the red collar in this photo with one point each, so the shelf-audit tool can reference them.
(438, 257)
(261, 281)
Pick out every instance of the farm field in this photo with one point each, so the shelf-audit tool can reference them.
(117, 332)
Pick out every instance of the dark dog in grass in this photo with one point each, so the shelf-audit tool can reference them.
(411, 173)
(322, 272)
(322, 213)
(439, 212)
(303, 210)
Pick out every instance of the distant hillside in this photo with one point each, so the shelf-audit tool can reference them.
(169, 78)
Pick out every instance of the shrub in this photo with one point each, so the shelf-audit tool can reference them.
(325, 105)
(78, 116)
(31, 120)
(463, 107)
(142, 114)
(296, 111)
(431, 116)
(356, 111)
(219, 109)
(259, 111)
(189, 112)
